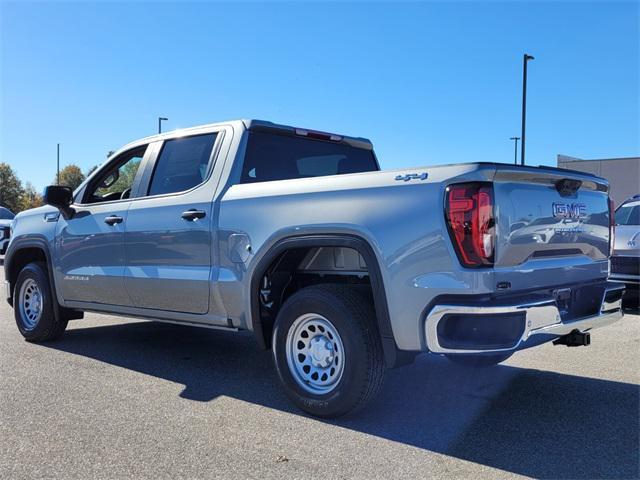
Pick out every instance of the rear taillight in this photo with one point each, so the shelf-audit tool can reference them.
(612, 226)
(470, 218)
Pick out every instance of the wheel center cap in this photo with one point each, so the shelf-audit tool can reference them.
(34, 302)
(321, 350)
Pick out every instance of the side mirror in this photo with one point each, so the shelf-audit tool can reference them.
(59, 197)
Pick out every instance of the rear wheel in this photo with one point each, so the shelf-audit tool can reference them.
(479, 360)
(33, 305)
(327, 350)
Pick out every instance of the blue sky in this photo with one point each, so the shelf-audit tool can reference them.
(428, 83)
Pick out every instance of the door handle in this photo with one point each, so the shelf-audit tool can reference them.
(193, 214)
(112, 220)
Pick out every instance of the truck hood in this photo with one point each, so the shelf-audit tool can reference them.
(36, 211)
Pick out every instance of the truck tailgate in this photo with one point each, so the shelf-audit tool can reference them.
(550, 216)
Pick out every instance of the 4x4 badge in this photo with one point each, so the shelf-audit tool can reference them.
(412, 176)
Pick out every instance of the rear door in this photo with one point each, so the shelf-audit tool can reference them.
(169, 231)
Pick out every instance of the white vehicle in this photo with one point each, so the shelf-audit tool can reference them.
(625, 261)
(6, 217)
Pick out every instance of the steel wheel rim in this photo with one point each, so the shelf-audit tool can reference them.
(315, 353)
(30, 301)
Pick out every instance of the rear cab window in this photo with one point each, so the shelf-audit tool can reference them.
(274, 156)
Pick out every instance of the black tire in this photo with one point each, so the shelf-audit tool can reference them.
(479, 360)
(46, 328)
(353, 317)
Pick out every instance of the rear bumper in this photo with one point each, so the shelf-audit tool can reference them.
(529, 323)
(626, 279)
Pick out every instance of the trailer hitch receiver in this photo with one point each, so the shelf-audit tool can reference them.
(574, 339)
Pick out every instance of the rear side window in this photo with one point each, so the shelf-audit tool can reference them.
(280, 157)
(183, 163)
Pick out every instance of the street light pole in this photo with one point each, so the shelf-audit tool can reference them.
(525, 60)
(515, 151)
(58, 167)
(160, 119)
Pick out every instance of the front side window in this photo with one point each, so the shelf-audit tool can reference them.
(116, 182)
(183, 163)
(280, 157)
(628, 214)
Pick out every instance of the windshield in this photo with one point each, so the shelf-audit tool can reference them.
(628, 214)
(6, 214)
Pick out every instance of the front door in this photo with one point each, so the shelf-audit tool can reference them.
(90, 244)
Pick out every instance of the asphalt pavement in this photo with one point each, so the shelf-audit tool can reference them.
(122, 398)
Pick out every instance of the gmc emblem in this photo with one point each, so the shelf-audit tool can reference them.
(569, 210)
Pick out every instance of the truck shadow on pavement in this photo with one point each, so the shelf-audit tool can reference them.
(529, 422)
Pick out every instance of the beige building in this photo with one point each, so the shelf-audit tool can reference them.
(623, 173)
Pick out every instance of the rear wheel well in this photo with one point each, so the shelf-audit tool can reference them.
(297, 262)
(297, 268)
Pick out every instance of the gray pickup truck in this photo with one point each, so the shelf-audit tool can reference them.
(341, 269)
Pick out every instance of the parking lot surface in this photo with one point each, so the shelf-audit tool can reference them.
(118, 398)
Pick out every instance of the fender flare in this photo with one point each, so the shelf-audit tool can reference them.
(24, 243)
(393, 356)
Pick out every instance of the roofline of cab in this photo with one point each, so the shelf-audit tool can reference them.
(242, 125)
(248, 124)
(180, 132)
(263, 125)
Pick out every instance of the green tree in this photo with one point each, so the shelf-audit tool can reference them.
(71, 176)
(30, 198)
(127, 174)
(10, 188)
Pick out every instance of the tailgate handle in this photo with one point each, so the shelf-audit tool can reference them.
(568, 186)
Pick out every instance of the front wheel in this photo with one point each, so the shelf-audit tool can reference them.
(33, 305)
(327, 350)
